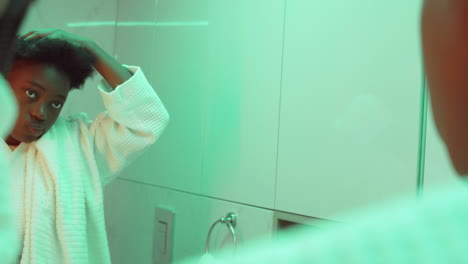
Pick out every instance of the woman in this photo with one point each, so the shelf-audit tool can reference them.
(60, 165)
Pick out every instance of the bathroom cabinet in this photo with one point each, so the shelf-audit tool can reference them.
(308, 107)
(217, 67)
(242, 101)
(350, 105)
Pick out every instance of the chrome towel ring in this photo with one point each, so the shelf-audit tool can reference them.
(231, 221)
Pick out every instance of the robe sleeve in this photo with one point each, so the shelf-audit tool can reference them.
(134, 119)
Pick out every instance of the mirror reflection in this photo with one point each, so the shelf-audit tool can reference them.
(314, 131)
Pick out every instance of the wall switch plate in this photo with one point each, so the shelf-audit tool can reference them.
(163, 228)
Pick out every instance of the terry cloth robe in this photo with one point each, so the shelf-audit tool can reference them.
(7, 228)
(65, 170)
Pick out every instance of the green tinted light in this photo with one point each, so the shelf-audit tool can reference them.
(138, 23)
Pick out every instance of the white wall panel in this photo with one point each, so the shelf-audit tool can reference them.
(160, 37)
(350, 104)
(130, 213)
(217, 67)
(240, 147)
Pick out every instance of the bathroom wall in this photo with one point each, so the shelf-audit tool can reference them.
(217, 66)
(298, 106)
(130, 214)
(220, 80)
(349, 123)
(304, 107)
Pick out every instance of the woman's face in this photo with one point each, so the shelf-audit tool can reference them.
(40, 91)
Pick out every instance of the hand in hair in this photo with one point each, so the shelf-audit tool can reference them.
(57, 34)
(112, 71)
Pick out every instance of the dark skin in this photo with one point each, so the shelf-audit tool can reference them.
(445, 46)
(41, 91)
(40, 88)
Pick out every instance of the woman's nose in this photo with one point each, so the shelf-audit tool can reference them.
(39, 112)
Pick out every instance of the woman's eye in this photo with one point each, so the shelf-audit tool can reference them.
(31, 93)
(57, 105)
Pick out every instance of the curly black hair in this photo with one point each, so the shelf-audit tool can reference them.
(75, 62)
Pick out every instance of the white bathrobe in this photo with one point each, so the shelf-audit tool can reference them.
(7, 120)
(63, 173)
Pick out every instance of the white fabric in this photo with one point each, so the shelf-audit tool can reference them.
(63, 173)
(7, 119)
(430, 230)
(207, 259)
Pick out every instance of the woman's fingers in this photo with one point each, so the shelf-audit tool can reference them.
(28, 34)
(31, 34)
(54, 33)
(39, 33)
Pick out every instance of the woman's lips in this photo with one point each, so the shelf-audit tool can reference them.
(36, 131)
